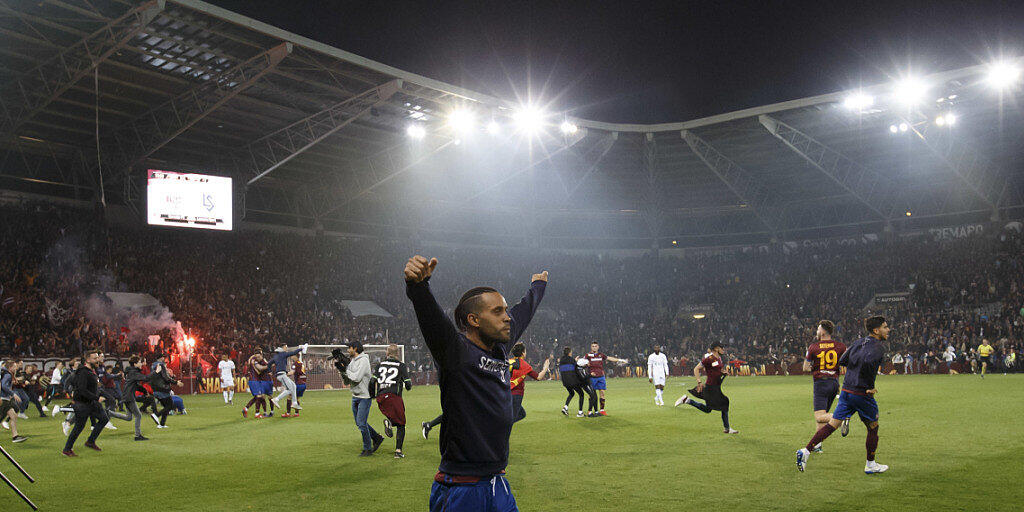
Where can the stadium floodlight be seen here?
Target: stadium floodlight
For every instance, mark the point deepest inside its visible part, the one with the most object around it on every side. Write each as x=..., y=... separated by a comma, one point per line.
x=528, y=119
x=904, y=127
x=461, y=120
x=1002, y=75
x=698, y=316
x=908, y=213
x=909, y=91
x=893, y=128
x=416, y=131
x=568, y=128
x=493, y=128
x=858, y=101
x=940, y=121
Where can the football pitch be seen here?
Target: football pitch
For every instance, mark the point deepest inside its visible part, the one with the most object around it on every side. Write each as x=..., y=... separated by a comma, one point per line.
x=952, y=443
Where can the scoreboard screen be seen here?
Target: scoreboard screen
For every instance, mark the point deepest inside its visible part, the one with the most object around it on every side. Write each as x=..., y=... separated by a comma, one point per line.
x=188, y=200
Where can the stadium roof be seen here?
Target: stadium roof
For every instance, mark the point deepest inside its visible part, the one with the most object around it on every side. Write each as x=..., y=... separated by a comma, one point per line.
x=316, y=137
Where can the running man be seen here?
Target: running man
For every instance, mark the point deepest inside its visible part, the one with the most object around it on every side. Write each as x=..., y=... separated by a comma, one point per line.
x=822, y=360
x=473, y=375
x=227, y=379
x=657, y=373
x=280, y=363
x=711, y=392
x=571, y=380
x=985, y=355
x=520, y=371
x=392, y=376
x=858, y=395
x=597, y=381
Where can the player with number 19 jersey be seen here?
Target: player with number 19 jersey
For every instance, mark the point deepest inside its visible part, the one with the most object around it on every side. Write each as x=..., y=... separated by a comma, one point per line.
x=823, y=355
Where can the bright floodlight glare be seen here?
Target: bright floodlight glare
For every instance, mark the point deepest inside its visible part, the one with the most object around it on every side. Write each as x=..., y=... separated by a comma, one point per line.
x=461, y=120
x=939, y=121
x=528, y=119
x=493, y=128
x=909, y=91
x=950, y=119
x=904, y=127
x=416, y=131
x=1002, y=74
x=908, y=213
x=568, y=128
x=858, y=101
x=893, y=128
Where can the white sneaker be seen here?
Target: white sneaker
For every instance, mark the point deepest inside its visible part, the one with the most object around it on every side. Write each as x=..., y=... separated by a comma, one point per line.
x=873, y=467
x=45, y=409
x=5, y=425
x=579, y=414
x=162, y=426
x=65, y=427
x=731, y=431
x=23, y=415
x=109, y=426
x=682, y=400
x=801, y=458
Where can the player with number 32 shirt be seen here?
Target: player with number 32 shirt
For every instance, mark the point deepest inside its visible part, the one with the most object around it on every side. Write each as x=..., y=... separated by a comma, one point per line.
x=392, y=376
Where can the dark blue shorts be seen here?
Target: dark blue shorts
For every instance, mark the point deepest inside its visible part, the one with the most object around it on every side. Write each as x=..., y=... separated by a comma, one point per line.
x=598, y=383
x=863, y=405
x=266, y=387
x=487, y=495
x=254, y=387
x=824, y=394
x=300, y=389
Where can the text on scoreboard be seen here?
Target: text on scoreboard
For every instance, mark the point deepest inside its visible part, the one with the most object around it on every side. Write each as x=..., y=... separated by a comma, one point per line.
x=188, y=200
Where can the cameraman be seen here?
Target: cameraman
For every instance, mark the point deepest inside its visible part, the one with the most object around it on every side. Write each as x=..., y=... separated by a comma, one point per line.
x=357, y=374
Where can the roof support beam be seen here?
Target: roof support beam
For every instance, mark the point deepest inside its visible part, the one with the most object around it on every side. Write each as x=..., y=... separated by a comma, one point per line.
x=276, y=149
x=24, y=97
x=752, y=192
x=387, y=165
x=869, y=187
x=651, y=207
x=976, y=171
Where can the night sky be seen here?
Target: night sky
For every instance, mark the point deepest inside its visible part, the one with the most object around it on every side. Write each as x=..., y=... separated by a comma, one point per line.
x=648, y=62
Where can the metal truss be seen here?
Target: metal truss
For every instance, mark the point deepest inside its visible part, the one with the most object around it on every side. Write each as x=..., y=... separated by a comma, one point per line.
x=273, y=150
x=976, y=171
x=750, y=191
x=868, y=186
x=24, y=97
x=148, y=133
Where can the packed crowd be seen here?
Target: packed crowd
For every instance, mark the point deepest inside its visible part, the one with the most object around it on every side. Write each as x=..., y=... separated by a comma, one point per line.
x=239, y=290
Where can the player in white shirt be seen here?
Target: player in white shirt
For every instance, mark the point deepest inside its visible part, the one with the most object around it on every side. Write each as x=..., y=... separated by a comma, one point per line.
x=949, y=356
x=227, y=378
x=657, y=372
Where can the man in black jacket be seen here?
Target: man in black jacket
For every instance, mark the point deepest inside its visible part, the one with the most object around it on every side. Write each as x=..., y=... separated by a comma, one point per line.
x=161, y=381
x=87, y=404
x=133, y=380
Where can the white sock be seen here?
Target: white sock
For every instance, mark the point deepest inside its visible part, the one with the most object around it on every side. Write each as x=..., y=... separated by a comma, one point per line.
x=225, y=397
x=231, y=395
x=657, y=393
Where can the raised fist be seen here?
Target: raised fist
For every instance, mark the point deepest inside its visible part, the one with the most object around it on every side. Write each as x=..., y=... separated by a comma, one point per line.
x=418, y=268
x=543, y=276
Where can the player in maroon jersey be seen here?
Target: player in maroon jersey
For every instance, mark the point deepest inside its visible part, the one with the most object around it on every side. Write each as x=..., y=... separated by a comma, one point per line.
x=254, y=367
x=597, y=381
x=822, y=360
x=711, y=391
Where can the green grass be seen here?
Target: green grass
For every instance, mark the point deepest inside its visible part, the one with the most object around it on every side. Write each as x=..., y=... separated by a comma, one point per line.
x=952, y=443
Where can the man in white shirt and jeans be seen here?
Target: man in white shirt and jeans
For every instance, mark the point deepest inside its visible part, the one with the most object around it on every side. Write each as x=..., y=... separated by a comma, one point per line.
x=227, y=378
x=358, y=374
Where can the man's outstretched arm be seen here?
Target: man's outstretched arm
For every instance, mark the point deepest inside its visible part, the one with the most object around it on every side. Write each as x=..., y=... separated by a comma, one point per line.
x=438, y=330
x=523, y=312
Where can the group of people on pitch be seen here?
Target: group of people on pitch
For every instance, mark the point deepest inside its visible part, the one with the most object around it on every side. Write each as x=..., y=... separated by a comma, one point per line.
x=283, y=367
x=94, y=403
